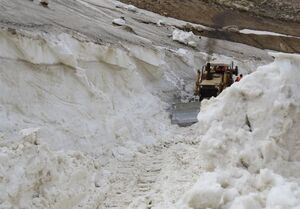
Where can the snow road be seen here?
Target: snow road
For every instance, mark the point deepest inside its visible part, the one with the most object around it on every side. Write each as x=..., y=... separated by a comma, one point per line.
x=84, y=121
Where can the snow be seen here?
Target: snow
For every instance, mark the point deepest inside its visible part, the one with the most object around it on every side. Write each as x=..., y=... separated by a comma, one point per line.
x=267, y=33
x=269, y=98
x=76, y=80
x=36, y=177
x=236, y=189
x=183, y=37
x=119, y=21
x=129, y=7
x=29, y=131
x=160, y=23
x=84, y=124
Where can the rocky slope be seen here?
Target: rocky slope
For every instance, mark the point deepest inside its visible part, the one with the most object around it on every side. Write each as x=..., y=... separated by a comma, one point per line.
x=277, y=9
x=275, y=16
x=203, y=10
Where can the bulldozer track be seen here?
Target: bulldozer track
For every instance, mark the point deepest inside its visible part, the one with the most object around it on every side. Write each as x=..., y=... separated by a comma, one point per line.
x=152, y=165
x=138, y=181
x=134, y=179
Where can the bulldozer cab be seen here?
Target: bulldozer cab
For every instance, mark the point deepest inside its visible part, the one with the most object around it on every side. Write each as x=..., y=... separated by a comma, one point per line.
x=213, y=79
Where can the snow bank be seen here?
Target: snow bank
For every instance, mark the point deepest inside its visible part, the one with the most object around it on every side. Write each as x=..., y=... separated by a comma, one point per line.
x=237, y=188
x=249, y=142
x=187, y=38
x=81, y=95
x=32, y=176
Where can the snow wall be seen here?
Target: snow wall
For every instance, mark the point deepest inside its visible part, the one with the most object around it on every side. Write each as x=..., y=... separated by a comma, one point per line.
x=64, y=93
x=80, y=95
x=249, y=142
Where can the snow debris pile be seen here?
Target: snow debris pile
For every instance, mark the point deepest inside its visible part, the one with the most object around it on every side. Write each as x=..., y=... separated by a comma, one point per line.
x=34, y=177
x=249, y=142
x=238, y=188
x=187, y=38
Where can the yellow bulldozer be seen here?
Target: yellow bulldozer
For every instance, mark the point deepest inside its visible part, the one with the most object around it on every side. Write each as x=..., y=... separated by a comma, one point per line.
x=213, y=79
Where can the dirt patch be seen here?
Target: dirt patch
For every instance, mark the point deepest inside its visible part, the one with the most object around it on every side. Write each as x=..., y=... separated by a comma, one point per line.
x=219, y=14
x=205, y=12
x=277, y=43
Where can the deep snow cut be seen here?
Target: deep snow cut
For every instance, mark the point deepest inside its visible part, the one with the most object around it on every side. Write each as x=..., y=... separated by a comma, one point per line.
x=84, y=123
x=247, y=153
x=81, y=94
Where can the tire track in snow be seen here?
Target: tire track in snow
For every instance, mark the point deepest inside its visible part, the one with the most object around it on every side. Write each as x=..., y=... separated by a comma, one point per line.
x=134, y=179
x=138, y=181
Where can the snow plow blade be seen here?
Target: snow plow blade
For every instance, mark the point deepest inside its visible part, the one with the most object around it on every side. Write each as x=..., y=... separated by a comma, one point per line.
x=185, y=114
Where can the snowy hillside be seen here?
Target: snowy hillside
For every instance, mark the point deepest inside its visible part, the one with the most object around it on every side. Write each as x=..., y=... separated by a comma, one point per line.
x=85, y=123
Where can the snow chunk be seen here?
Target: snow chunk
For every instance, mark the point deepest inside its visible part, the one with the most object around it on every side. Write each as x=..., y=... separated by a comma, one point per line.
x=119, y=21
x=131, y=8
x=187, y=38
x=160, y=23
x=29, y=131
x=206, y=194
x=253, y=126
x=236, y=188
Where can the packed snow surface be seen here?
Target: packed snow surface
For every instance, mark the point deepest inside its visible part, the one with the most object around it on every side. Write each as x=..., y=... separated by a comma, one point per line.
x=84, y=123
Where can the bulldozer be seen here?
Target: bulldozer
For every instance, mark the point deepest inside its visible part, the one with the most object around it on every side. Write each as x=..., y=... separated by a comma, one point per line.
x=211, y=80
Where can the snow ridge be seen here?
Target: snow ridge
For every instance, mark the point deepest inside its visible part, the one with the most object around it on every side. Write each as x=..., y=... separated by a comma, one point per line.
x=249, y=144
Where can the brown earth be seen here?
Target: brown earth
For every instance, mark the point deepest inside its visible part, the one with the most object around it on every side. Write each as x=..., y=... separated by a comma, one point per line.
x=219, y=14
x=210, y=14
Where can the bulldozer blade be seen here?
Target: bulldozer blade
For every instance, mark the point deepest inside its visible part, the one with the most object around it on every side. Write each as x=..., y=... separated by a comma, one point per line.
x=185, y=114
